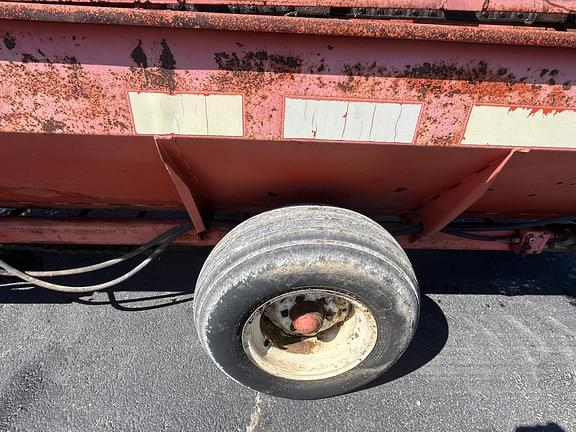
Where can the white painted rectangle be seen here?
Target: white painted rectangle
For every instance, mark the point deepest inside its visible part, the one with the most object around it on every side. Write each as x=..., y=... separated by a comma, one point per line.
x=187, y=114
x=340, y=120
x=521, y=127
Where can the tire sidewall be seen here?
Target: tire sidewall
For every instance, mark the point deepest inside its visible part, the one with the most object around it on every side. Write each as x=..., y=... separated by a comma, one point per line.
x=377, y=283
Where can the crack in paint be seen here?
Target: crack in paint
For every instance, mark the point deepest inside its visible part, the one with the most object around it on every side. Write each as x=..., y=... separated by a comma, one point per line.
x=396, y=124
x=345, y=120
x=206, y=115
x=372, y=122
x=314, y=126
x=179, y=129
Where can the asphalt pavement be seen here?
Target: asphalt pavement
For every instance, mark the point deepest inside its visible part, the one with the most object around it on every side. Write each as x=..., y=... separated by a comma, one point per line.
x=495, y=351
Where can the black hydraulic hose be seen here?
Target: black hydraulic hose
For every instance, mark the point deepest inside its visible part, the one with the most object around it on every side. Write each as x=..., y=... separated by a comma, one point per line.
x=469, y=230
x=163, y=241
x=177, y=230
x=405, y=230
x=510, y=226
x=86, y=288
x=415, y=229
x=472, y=236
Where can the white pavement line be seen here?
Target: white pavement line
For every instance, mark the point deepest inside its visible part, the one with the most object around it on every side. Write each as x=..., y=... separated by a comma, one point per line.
x=255, y=416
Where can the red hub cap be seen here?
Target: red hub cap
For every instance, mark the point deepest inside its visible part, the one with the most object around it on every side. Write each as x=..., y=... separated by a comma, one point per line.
x=306, y=318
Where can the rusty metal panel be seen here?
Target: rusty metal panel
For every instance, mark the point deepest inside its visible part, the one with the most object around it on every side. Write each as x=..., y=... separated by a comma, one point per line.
x=389, y=29
x=66, y=114
x=98, y=231
x=542, y=6
x=138, y=231
x=76, y=78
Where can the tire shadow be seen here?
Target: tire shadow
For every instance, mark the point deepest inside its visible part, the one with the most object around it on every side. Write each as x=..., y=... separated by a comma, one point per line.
x=428, y=341
x=548, y=427
x=169, y=280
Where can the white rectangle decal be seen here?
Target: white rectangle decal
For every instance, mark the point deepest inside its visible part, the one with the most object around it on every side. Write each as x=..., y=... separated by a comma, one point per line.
x=350, y=121
x=187, y=114
x=521, y=127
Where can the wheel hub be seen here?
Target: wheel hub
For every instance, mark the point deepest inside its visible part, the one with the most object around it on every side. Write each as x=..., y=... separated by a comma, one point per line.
x=307, y=318
x=309, y=334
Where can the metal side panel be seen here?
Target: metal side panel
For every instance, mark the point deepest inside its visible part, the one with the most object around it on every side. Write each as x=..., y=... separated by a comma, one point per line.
x=263, y=119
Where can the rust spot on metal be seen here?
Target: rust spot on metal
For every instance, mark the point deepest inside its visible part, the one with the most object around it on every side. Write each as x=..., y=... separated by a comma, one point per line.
x=139, y=56
x=9, y=41
x=70, y=60
x=29, y=58
x=251, y=71
x=165, y=76
x=302, y=347
x=68, y=87
x=346, y=86
x=51, y=126
x=259, y=61
x=473, y=73
x=166, y=57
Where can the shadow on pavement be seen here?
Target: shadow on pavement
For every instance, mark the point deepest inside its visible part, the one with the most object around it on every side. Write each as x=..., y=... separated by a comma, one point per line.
x=503, y=273
x=439, y=272
x=169, y=280
x=430, y=338
x=548, y=427
x=140, y=303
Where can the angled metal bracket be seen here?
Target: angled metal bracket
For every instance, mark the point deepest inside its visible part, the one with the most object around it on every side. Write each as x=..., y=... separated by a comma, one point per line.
x=183, y=189
x=448, y=205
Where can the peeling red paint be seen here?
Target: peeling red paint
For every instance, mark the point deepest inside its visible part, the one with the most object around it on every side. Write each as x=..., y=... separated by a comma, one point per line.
x=545, y=110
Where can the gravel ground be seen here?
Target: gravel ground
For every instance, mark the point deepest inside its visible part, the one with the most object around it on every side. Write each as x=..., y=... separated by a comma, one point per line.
x=495, y=351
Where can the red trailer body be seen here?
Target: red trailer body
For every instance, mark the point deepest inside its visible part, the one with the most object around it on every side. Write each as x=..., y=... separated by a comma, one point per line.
x=112, y=105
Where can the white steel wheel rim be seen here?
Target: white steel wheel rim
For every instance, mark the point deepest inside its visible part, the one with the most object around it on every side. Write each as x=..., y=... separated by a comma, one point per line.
x=326, y=354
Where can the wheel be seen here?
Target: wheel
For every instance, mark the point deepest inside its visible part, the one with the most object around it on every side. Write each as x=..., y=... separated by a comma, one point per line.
x=306, y=302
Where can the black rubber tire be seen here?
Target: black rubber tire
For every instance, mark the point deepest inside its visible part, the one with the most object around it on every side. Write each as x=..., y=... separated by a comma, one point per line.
x=299, y=247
